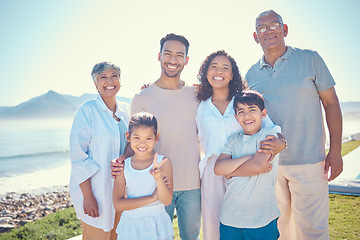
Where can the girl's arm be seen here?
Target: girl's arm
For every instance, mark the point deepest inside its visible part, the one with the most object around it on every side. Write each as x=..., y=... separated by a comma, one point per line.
x=159, y=171
x=121, y=203
x=225, y=165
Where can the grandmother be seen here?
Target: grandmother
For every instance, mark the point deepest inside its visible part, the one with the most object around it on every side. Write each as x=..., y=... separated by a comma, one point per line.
x=97, y=136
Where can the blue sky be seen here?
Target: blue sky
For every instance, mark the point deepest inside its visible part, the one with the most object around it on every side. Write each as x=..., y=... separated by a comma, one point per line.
x=53, y=45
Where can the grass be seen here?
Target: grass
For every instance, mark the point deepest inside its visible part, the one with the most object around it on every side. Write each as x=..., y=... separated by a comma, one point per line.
x=60, y=225
x=343, y=219
x=349, y=146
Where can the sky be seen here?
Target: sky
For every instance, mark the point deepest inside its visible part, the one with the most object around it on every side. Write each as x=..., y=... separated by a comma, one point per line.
x=54, y=44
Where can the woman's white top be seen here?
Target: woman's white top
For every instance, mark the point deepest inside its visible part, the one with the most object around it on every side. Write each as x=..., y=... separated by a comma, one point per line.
x=214, y=128
x=96, y=138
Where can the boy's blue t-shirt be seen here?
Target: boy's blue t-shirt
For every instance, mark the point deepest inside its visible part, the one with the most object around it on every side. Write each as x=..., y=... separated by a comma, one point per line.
x=249, y=202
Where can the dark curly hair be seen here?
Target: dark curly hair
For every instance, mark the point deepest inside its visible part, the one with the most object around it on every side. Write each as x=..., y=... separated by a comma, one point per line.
x=204, y=89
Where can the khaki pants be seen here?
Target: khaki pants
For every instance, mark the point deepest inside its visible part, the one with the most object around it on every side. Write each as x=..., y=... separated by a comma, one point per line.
x=303, y=199
x=212, y=194
x=93, y=233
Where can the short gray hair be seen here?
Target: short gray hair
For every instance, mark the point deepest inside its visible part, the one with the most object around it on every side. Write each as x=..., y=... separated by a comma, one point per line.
x=268, y=12
x=99, y=68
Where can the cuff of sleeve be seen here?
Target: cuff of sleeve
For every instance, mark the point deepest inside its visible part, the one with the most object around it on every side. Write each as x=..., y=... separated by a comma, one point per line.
x=84, y=170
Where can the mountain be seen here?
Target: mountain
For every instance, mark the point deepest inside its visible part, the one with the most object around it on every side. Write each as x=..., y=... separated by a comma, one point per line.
x=48, y=105
x=55, y=105
x=3, y=108
x=350, y=110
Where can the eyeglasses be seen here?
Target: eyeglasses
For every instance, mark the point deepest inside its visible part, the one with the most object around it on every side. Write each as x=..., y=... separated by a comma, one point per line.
x=272, y=26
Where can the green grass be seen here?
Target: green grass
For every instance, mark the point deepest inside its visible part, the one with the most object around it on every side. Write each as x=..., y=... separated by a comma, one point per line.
x=60, y=225
x=343, y=219
x=349, y=146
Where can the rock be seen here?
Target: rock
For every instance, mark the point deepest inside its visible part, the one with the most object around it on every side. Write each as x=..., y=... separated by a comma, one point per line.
x=23, y=222
x=18, y=209
x=5, y=212
x=5, y=220
x=6, y=227
x=10, y=215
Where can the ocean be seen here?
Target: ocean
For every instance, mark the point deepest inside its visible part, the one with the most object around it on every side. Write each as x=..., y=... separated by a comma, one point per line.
x=34, y=154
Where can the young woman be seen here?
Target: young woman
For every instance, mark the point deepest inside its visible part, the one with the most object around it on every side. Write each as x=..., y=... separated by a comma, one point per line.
x=220, y=80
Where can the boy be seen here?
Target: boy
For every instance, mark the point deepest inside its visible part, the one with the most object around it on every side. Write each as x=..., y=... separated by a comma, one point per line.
x=249, y=209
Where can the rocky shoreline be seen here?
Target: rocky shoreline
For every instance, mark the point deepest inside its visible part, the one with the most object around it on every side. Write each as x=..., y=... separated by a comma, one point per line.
x=18, y=209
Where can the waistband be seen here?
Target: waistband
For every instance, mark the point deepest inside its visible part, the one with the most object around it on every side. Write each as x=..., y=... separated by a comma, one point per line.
x=145, y=211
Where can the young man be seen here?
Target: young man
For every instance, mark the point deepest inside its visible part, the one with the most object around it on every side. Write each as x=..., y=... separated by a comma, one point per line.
x=294, y=83
x=249, y=209
x=174, y=105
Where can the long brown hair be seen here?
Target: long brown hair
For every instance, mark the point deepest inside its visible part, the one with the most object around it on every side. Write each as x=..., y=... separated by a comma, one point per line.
x=204, y=89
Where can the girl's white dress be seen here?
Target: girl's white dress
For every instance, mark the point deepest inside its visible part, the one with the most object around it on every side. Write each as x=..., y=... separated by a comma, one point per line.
x=149, y=222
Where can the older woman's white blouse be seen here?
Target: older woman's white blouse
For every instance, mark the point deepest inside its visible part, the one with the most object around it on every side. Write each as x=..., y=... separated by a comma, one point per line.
x=96, y=138
x=214, y=128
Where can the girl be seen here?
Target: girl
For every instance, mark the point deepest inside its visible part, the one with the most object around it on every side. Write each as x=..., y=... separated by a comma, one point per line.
x=220, y=81
x=144, y=215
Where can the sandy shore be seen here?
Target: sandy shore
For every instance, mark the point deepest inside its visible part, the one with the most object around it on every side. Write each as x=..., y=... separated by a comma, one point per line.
x=18, y=209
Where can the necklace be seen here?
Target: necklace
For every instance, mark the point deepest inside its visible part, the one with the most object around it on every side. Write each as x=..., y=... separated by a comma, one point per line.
x=116, y=118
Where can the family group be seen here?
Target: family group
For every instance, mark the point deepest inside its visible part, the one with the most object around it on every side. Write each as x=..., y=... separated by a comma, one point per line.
x=264, y=171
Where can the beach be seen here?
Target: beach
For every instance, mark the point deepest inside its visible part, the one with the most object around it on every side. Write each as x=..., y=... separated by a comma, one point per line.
x=18, y=209
x=35, y=170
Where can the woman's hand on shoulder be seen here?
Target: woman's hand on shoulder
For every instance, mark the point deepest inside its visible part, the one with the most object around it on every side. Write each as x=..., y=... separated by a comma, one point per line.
x=117, y=166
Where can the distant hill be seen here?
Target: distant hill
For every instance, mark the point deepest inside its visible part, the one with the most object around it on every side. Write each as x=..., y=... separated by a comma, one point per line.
x=350, y=110
x=55, y=105
x=347, y=107
x=3, y=108
x=49, y=105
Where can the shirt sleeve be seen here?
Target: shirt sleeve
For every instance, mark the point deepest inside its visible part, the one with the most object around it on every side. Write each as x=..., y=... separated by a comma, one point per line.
x=323, y=78
x=82, y=165
x=136, y=105
x=268, y=123
x=266, y=132
x=229, y=145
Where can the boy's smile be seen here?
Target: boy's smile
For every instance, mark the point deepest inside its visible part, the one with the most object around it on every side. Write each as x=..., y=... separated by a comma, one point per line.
x=250, y=117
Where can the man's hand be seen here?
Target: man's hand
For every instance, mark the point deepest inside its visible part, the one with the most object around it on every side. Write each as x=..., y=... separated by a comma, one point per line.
x=272, y=145
x=335, y=163
x=145, y=85
x=166, y=181
x=116, y=166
